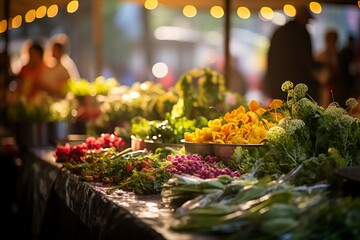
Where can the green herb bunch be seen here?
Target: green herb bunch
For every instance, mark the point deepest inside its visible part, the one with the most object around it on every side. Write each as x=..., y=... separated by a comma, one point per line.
x=42, y=109
x=148, y=99
x=170, y=130
x=202, y=88
x=100, y=85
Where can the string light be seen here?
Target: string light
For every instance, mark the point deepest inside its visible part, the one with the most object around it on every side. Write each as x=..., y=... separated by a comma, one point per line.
x=217, y=12
x=72, y=6
x=40, y=12
x=243, y=12
x=3, y=26
x=52, y=11
x=315, y=7
x=30, y=16
x=267, y=13
x=189, y=11
x=151, y=4
x=16, y=21
x=289, y=10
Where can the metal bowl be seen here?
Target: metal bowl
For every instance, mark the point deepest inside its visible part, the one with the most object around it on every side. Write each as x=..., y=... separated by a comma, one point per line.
x=224, y=151
x=139, y=144
x=351, y=180
x=203, y=149
x=152, y=146
x=349, y=173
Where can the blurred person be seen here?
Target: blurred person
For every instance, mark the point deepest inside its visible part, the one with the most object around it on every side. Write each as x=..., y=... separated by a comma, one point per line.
x=329, y=71
x=347, y=68
x=66, y=60
x=6, y=76
x=54, y=79
x=29, y=78
x=237, y=81
x=290, y=57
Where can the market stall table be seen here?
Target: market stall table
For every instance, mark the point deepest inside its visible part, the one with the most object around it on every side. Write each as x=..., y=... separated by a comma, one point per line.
x=57, y=205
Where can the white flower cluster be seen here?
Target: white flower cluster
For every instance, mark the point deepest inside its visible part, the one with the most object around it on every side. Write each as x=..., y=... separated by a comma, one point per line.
x=287, y=85
x=290, y=126
x=276, y=134
x=347, y=120
x=351, y=103
x=300, y=90
x=334, y=112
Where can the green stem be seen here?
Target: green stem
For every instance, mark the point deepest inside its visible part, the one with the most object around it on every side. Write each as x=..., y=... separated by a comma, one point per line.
x=293, y=159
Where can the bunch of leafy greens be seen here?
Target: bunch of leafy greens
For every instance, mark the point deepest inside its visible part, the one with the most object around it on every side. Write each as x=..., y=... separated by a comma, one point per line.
x=202, y=88
x=170, y=130
x=246, y=208
x=334, y=219
x=43, y=109
x=100, y=85
x=241, y=208
x=318, y=139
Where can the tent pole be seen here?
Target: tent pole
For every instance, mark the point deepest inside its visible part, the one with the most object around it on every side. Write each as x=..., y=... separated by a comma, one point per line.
x=97, y=36
x=7, y=44
x=147, y=43
x=227, y=30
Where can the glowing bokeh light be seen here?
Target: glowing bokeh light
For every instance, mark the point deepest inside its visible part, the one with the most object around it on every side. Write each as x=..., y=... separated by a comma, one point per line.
x=243, y=12
x=52, y=11
x=315, y=7
x=151, y=4
x=30, y=16
x=16, y=21
x=72, y=6
x=267, y=13
x=217, y=12
x=40, y=12
x=189, y=11
x=160, y=70
x=3, y=26
x=278, y=19
x=289, y=10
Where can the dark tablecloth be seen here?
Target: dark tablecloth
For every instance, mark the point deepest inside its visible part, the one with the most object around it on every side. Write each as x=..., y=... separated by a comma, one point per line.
x=56, y=205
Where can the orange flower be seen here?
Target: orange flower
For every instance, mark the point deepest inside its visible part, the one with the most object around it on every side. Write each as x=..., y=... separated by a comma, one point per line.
x=277, y=116
x=228, y=128
x=189, y=137
x=215, y=124
x=218, y=137
x=253, y=105
x=252, y=118
x=260, y=111
x=276, y=103
x=229, y=117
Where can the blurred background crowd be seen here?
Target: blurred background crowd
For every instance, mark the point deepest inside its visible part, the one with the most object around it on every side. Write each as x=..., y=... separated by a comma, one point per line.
x=132, y=42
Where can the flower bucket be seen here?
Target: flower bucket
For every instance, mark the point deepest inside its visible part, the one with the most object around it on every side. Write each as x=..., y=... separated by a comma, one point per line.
x=137, y=143
x=58, y=132
x=32, y=135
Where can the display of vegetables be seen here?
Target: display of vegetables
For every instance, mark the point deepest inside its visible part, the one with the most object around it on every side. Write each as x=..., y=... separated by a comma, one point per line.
x=281, y=190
